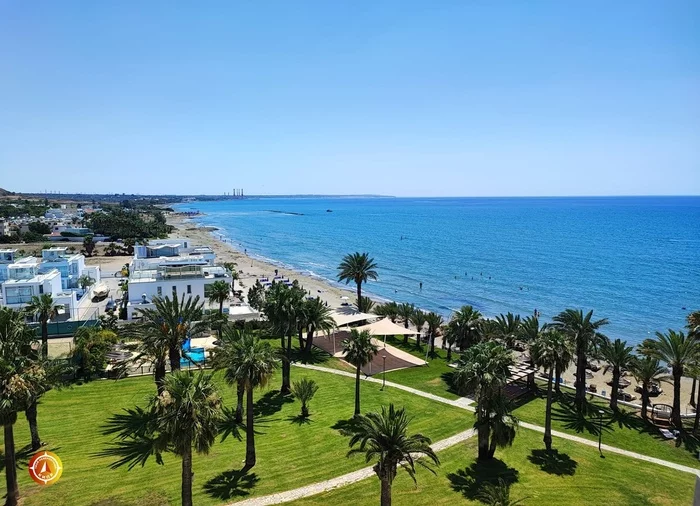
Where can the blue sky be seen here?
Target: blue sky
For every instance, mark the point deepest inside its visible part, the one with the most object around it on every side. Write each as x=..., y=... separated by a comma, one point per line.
x=398, y=98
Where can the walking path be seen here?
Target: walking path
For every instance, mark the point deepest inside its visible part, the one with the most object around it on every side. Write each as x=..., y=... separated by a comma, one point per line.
x=463, y=403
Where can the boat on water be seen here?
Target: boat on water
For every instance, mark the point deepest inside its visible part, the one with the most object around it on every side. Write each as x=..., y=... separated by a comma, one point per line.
x=101, y=291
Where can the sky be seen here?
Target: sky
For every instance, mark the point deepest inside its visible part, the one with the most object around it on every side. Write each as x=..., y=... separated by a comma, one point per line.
x=446, y=98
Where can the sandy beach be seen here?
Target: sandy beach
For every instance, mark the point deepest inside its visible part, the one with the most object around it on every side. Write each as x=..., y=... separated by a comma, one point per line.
x=252, y=269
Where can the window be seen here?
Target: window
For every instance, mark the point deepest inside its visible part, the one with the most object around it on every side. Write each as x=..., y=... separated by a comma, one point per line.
x=160, y=291
x=41, y=289
x=189, y=288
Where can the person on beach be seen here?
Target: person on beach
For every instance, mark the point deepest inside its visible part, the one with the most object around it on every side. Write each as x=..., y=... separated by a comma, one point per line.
x=421, y=285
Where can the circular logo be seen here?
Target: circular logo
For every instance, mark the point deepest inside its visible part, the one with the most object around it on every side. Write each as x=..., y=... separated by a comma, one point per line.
x=45, y=468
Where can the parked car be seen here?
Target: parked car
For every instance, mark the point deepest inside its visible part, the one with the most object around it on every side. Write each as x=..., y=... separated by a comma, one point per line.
x=111, y=305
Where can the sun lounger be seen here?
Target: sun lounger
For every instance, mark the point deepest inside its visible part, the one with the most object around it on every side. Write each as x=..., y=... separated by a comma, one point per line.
x=667, y=434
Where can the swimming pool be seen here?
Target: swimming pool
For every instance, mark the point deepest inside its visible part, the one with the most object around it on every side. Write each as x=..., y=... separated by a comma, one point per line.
x=196, y=356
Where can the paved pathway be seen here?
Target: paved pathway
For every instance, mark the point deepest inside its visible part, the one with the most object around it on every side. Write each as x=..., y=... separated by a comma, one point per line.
x=463, y=403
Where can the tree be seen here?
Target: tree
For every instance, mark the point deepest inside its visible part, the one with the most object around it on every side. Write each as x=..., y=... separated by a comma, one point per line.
x=618, y=357
x=384, y=437
x=85, y=281
x=230, y=266
x=678, y=351
x=497, y=494
x=256, y=296
x=223, y=359
x=219, y=292
x=359, y=351
x=405, y=311
x=43, y=308
x=89, y=244
x=318, y=317
x=388, y=310
x=129, y=244
x=284, y=309
x=252, y=364
x=364, y=304
x=464, y=329
x=175, y=320
x=648, y=370
x=434, y=321
x=551, y=350
x=184, y=417
x=418, y=319
x=90, y=349
x=20, y=379
x=484, y=370
x=585, y=336
x=304, y=390
x=357, y=267
x=507, y=329
x=153, y=346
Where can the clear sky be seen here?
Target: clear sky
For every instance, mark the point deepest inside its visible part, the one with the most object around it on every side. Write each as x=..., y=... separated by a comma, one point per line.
x=400, y=98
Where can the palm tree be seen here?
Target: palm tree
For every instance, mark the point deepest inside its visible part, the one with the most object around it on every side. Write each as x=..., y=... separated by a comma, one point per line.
x=357, y=267
x=464, y=329
x=405, y=311
x=219, y=292
x=252, y=363
x=384, y=437
x=418, y=319
x=484, y=370
x=184, y=417
x=304, y=390
x=648, y=370
x=678, y=351
x=359, y=351
x=152, y=345
x=507, y=329
x=85, y=281
x=90, y=349
x=497, y=494
x=552, y=351
x=388, y=310
x=43, y=308
x=318, y=317
x=21, y=377
x=584, y=334
x=89, y=245
x=175, y=320
x=129, y=244
x=618, y=357
x=434, y=321
x=223, y=359
x=364, y=304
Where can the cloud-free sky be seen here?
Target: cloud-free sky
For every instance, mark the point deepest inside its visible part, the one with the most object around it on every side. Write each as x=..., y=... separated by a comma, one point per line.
x=399, y=98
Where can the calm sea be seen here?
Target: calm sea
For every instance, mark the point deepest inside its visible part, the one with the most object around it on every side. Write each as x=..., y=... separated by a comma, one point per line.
x=634, y=260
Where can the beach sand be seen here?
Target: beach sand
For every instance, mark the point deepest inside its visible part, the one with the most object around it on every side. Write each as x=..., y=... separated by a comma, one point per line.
x=253, y=268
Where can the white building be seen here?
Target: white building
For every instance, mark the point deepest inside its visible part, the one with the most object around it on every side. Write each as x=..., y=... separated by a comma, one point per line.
x=5, y=227
x=71, y=266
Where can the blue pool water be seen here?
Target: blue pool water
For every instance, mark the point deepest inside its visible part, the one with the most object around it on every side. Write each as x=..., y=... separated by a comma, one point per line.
x=196, y=356
x=634, y=260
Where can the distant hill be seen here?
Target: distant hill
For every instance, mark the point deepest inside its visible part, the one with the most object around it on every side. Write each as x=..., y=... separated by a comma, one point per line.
x=5, y=193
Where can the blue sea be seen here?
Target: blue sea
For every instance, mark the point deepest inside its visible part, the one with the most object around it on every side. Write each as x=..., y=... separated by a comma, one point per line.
x=633, y=260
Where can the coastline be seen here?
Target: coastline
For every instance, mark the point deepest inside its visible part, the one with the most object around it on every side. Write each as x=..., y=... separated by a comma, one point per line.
x=186, y=227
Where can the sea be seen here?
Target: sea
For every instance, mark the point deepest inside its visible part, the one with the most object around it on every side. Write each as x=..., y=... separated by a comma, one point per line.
x=632, y=260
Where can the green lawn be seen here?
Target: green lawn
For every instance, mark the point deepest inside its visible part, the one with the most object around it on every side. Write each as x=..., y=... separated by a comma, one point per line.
x=289, y=454
x=625, y=430
x=578, y=476
x=431, y=378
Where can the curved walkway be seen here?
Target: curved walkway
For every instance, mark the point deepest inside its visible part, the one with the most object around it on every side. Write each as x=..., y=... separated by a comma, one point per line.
x=463, y=403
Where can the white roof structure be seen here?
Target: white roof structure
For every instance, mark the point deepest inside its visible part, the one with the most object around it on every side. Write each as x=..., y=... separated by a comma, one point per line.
x=385, y=327
x=342, y=319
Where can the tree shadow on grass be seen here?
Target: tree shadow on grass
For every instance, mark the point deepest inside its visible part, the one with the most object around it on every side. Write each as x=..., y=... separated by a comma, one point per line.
x=585, y=420
x=271, y=403
x=300, y=420
x=346, y=427
x=230, y=484
x=553, y=462
x=447, y=378
x=471, y=480
x=316, y=356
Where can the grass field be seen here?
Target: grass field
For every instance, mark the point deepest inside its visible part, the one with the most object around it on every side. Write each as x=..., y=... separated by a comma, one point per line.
x=577, y=477
x=290, y=454
x=625, y=430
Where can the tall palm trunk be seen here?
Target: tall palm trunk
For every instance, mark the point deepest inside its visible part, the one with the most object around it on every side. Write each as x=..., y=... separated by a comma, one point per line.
x=432, y=343
x=405, y=336
x=696, y=423
x=187, y=476
x=31, y=414
x=615, y=388
x=548, y=413
x=309, y=341
x=221, y=307
x=359, y=295
x=645, y=400
x=676, y=411
x=287, y=366
x=44, y=338
x=449, y=352
x=580, y=378
x=159, y=374
x=483, y=435
x=10, y=466
x=357, y=391
x=240, y=392
x=386, y=492
x=301, y=339
x=174, y=356
x=249, y=431
x=557, y=382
